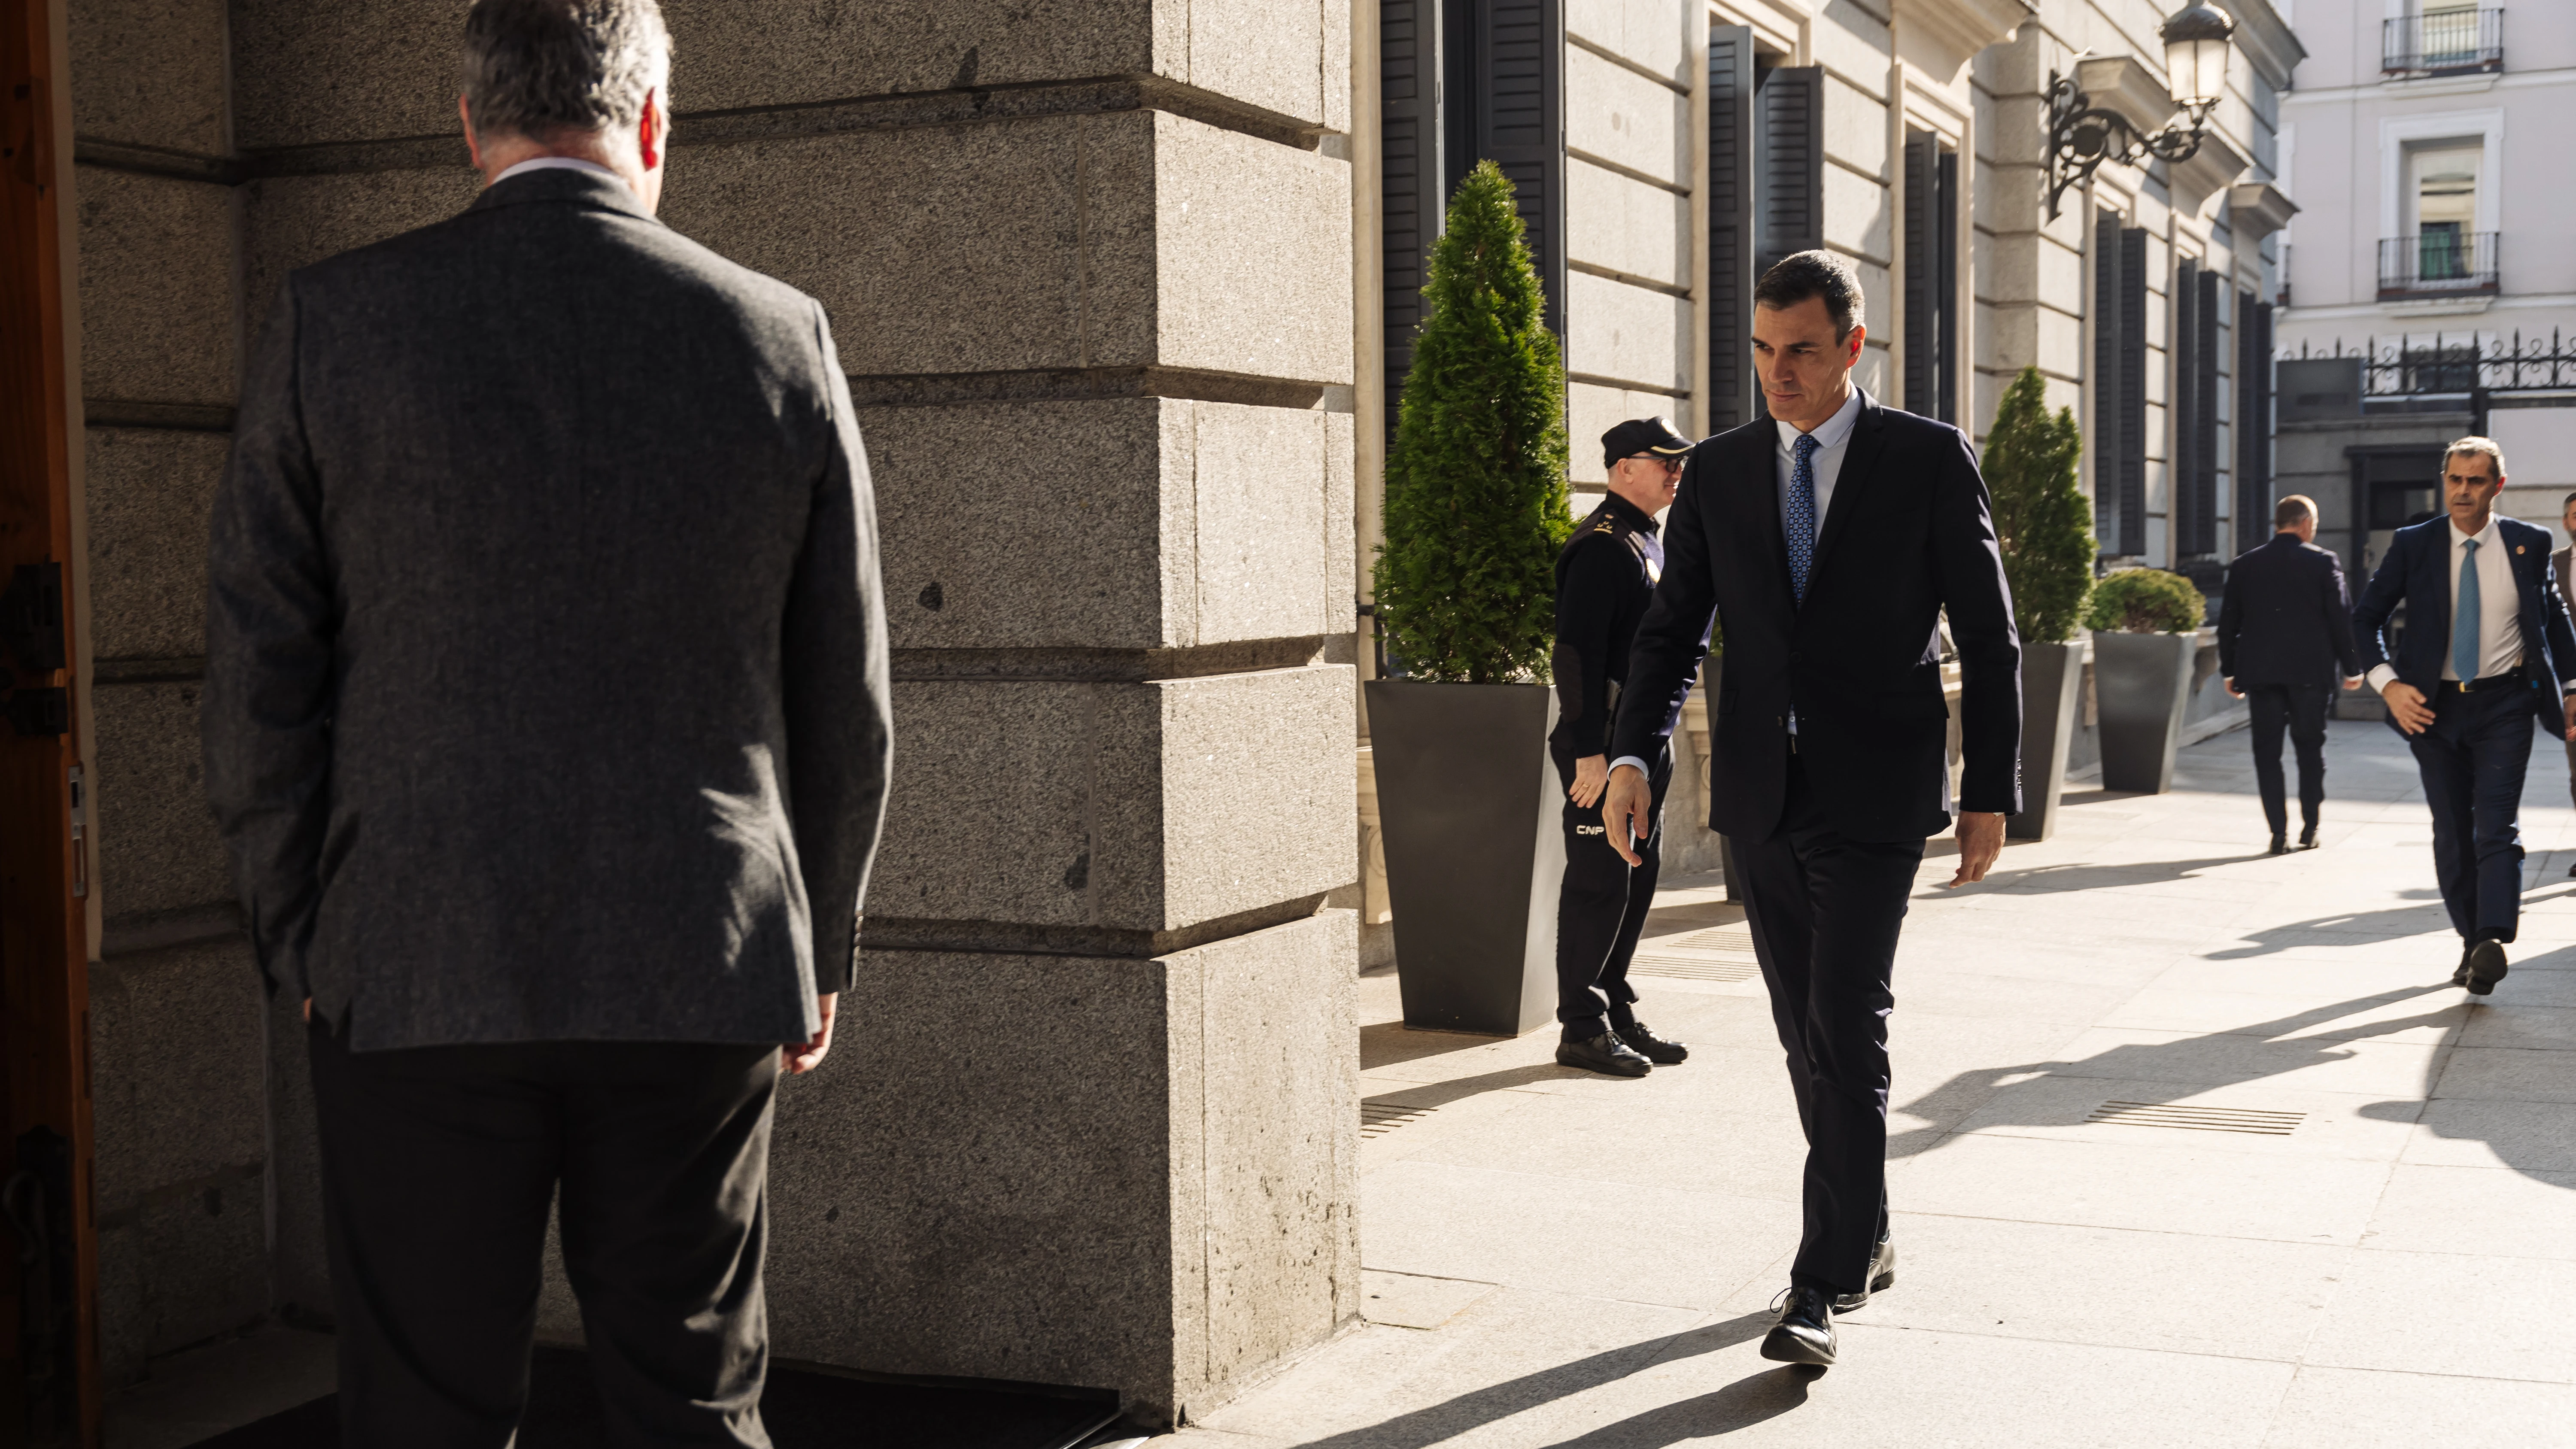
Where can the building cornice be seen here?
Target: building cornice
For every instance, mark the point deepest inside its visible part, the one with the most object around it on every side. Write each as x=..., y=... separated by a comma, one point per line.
x=1942, y=36
x=2270, y=44
x=2260, y=209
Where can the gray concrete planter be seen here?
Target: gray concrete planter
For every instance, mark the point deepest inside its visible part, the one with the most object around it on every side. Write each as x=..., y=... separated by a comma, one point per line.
x=2143, y=683
x=2052, y=700
x=1468, y=806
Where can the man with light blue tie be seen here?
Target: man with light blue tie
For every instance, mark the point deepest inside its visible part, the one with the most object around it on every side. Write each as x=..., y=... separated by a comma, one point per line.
x=2488, y=648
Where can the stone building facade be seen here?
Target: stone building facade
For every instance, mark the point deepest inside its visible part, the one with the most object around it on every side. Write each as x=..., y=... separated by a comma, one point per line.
x=1092, y=1119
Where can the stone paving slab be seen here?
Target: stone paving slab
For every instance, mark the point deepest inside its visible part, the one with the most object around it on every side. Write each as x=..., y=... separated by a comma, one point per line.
x=2393, y=1270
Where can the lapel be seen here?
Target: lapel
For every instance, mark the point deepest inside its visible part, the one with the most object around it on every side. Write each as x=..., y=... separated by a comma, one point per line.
x=2431, y=592
x=1860, y=469
x=1757, y=506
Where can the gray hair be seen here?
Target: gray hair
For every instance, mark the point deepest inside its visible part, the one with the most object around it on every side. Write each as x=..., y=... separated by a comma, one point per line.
x=536, y=68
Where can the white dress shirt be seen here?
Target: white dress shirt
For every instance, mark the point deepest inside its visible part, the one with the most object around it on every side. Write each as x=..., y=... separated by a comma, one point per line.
x=1833, y=443
x=2499, y=607
x=543, y=163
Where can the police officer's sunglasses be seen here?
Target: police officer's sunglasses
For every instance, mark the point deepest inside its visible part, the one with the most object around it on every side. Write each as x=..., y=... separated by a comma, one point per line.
x=1669, y=465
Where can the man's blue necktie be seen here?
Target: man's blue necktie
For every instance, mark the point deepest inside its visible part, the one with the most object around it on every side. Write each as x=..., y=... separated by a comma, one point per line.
x=1799, y=517
x=2465, y=613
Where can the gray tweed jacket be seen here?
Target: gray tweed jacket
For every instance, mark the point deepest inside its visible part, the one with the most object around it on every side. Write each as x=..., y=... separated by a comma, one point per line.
x=546, y=660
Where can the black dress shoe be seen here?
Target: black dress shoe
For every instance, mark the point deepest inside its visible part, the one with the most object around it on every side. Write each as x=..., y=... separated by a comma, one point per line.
x=2280, y=845
x=1805, y=1332
x=1882, y=1276
x=1604, y=1053
x=2484, y=968
x=2308, y=838
x=2571, y=872
x=1642, y=1040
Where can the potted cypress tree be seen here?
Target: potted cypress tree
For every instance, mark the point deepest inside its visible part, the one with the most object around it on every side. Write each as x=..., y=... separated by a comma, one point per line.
x=1476, y=509
x=2146, y=628
x=2045, y=525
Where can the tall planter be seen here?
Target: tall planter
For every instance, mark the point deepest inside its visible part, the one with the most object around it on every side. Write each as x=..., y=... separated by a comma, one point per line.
x=1468, y=805
x=2052, y=695
x=2143, y=683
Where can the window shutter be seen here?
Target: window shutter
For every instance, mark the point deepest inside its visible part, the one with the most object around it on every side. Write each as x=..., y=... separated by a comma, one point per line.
x=2204, y=537
x=1922, y=273
x=1730, y=226
x=2133, y=390
x=2253, y=421
x=1945, y=221
x=1789, y=157
x=2182, y=466
x=1412, y=200
x=1520, y=125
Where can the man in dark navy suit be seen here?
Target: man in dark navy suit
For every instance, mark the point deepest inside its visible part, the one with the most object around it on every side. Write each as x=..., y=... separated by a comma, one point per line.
x=2284, y=637
x=1829, y=538
x=2488, y=649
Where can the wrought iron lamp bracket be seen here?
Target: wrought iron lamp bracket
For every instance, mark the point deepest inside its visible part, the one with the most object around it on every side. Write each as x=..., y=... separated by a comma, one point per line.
x=2082, y=135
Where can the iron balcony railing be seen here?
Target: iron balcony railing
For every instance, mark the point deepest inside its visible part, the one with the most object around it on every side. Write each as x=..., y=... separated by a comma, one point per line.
x=2444, y=42
x=2437, y=262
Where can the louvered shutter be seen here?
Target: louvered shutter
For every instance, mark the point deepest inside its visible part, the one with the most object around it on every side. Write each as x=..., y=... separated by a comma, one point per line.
x=1789, y=163
x=1730, y=226
x=1412, y=199
x=1520, y=125
x=1922, y=335
x=2133, y=390
x=2253, y=421
x=2182, y=468
x=1945, y=220
x=2204, y=381
x=2105, y=442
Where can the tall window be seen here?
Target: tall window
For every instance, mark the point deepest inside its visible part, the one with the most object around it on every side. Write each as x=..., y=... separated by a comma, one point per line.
x=2443, y=189
x=1931, y=277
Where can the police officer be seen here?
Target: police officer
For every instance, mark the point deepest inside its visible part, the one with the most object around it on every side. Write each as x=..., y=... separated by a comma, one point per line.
x=1604, y=579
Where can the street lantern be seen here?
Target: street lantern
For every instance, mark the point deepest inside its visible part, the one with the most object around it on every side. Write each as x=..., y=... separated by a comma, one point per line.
x=2083, y=132
x=2196, y=39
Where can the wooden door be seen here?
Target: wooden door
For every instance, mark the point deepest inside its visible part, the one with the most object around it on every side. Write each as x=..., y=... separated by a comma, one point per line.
x=49, y=1387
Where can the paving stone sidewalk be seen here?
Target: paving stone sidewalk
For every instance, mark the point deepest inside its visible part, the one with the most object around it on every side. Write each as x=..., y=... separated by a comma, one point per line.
x=1557, y=1259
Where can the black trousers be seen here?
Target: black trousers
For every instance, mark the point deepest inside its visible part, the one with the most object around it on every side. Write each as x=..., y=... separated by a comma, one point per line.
x=1825, y=910
x=2302, y=709
x=2472, y=759
x=438, y=1166
x=1601, y=910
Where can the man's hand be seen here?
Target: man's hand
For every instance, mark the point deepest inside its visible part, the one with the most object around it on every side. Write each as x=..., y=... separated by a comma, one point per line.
x=2569, y=703
x=1591, y=773
x=2406, y=703
x=1981, y=839
x=2232, y=689
x=799, y=1057
x=1628, y=810
x=2353, y=682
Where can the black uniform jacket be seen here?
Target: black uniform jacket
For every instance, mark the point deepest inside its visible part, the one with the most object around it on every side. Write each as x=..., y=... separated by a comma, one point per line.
x=1605, y=578
x=1910, y=532
x=2417, y=573
x=2286, y=619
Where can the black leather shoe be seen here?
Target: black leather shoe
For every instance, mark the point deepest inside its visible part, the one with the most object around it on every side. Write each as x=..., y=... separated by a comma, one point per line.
x=2280, y=845
x=2484, y=968
x=1805, y=1332
x=1604, y=1053
x=2571, y=872
x=1642, y=1040
x=1882, y=1276
x=2308, y=838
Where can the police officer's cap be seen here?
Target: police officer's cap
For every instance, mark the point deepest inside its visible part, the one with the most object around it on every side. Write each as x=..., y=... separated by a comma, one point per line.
x=1642, y=435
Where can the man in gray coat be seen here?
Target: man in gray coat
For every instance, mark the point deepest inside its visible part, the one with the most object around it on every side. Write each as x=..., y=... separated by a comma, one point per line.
x=547, y=718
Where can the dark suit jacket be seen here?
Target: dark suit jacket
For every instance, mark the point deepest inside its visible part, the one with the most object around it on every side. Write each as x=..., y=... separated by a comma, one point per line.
x=1910, y=532
x=2285, y=618
x=2416, y=573
x=546, y=665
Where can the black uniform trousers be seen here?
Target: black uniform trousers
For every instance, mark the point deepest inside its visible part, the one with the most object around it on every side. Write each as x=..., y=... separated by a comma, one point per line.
x=1825, y=911
x=1601, y=910
x=2302, y=709
x=438, y=1167
x=2472, y=759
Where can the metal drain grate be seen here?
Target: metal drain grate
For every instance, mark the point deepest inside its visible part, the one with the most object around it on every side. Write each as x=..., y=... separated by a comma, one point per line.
x=1721, y=953
x=1379, y=1118
x=2199, y=1119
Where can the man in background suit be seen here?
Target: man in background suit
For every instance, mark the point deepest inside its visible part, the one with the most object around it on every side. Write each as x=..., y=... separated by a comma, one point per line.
x=2284, y=638
x=2558, y=568
x=2487, y=650
x=546, y=716
x=1828, y=539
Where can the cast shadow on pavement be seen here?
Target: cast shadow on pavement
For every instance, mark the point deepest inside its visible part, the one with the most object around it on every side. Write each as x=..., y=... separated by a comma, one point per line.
x=1450, y=1418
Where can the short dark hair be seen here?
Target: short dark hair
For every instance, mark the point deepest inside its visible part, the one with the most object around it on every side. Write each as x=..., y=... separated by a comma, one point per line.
x=2563, y=502
x=1800, y=275
x=2293, y=510
x=540, y=68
